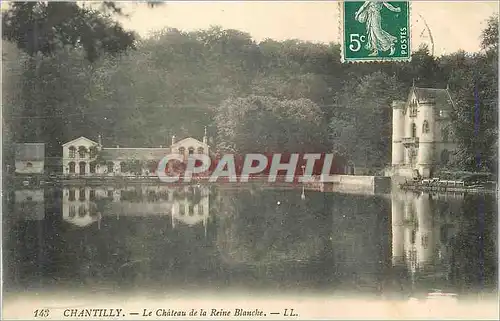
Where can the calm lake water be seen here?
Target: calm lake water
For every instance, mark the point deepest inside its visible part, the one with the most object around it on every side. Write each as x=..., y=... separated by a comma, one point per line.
x=159, y=238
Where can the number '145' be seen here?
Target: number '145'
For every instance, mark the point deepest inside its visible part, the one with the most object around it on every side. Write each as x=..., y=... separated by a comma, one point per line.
x=41, y=313
x=355, y=41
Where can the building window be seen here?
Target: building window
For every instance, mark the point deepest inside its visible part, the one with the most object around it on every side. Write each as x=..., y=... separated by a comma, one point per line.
x=191, y=150
x=72, y=211
x=71, y=197
x=72, y=152
x=425, y=127
x=425, y=241
x=200, y=150
x=81, y=195
x=413, y=130
x=191, y=209
x=92, y=195
x=72, y=167
x=82, y=168
x=29, y=165
x=182, y=150
x=82, y=151
x=413, y=237
x=81, y=210
x=92, y=151
x=413, y=108
x=123, y=167
x=182, y=209
x=110, y=166
x=93, y=167
x=445, y=157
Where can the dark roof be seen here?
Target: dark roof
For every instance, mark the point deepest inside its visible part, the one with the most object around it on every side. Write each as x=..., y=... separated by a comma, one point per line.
x=440, y=97
x=30, y=152
x=134, y=153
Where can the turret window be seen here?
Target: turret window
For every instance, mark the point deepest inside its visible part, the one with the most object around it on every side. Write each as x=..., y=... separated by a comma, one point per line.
x=425, y=241
x=413, y=237
x=413, y=130
x=425, y=127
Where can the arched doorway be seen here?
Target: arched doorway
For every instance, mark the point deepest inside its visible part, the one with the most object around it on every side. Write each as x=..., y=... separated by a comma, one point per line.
x=82, y=168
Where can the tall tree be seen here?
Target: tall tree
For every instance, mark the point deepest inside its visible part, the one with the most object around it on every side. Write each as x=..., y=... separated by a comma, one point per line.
x=44, y=29
x=474, y=84
x=267, y=124
x=361, y=125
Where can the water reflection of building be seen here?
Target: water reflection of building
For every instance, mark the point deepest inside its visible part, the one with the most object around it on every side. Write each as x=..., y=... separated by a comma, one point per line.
x=422, y=227
x=187, y=205
x=29, y=204
x=191, y=206
x=78, y=206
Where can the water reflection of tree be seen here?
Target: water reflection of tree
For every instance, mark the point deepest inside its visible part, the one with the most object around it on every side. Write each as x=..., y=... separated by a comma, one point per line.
x=473, y=261
x=266, y=227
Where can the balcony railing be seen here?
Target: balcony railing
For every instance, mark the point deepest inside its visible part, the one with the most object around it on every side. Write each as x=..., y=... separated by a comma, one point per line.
x=410, y=141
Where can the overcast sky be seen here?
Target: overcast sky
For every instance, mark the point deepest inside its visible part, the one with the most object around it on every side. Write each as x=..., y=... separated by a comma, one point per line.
x=454, y=25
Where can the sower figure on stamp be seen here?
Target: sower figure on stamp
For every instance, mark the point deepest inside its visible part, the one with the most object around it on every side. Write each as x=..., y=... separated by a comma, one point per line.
x=377, y=38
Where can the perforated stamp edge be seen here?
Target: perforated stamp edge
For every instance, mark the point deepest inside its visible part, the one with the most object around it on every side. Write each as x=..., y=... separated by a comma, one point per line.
x=341, y=39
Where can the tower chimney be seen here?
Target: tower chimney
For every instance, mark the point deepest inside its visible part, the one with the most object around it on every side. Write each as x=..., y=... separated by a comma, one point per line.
x=99, y=140
x=205, y=136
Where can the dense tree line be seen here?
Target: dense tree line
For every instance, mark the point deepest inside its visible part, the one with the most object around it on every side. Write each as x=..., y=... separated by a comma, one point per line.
x=88, y=76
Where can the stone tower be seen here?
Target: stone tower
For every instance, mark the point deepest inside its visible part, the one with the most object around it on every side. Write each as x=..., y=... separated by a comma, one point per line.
x=422, y=139
x=426, y=119
x=398, y=132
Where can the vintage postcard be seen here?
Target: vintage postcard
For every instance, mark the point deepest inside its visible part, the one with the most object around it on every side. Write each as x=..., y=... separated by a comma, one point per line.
x=261, y=160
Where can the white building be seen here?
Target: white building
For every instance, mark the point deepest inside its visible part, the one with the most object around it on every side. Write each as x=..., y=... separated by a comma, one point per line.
x=30, y=158
x=186, y=205
x=79, y=156
x=78, y=206
x=85, y=157
x=422, y=137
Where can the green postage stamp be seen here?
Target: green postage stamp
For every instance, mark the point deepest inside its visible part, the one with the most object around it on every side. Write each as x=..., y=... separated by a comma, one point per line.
x=376, y=31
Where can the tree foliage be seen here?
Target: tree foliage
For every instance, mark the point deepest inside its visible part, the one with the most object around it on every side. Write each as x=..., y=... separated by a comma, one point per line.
x=83, y=77
x=267, y=124
x=47, y=26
